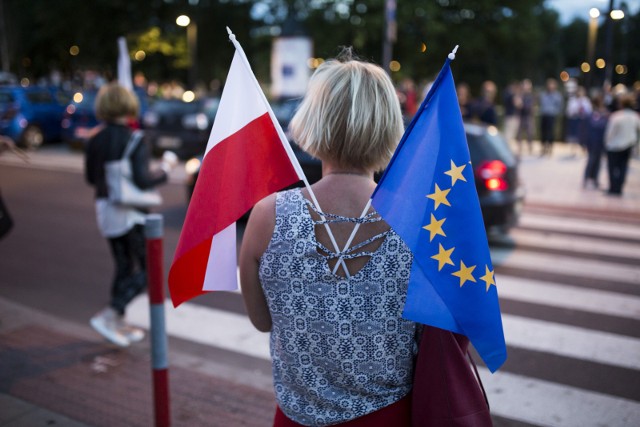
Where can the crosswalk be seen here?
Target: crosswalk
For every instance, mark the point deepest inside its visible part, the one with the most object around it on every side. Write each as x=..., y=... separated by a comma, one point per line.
x=570, y=295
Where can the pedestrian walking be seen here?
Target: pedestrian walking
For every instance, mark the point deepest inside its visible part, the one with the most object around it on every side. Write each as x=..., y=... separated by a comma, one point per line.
x=596, y=126
x=621, y=136
x=122, y=226
x=512, y=102
x=484, y=108
x=525, y=126
x=577, y=114
x=464, y=100
x=550, y=105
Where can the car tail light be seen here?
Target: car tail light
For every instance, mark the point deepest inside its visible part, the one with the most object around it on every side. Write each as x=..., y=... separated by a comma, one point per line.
x=493, y=175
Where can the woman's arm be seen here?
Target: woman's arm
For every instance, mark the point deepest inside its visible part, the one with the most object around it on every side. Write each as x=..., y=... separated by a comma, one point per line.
x=257, y=236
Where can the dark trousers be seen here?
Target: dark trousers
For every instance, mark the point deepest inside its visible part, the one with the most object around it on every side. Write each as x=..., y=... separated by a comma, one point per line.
x=592, y=170
x=129, y=254
x=617, y=162
x=547, y=127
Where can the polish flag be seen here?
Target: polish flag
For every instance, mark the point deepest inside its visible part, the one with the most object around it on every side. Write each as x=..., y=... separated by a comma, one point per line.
x=247, y=158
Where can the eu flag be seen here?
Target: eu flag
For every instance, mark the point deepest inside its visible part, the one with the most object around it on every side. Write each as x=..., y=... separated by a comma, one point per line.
x=428, y=196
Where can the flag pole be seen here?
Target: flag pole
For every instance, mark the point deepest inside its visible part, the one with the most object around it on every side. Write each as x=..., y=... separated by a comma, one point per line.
x=287, y=147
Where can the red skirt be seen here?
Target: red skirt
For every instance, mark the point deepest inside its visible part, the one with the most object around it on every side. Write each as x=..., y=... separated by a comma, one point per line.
x=397, y=414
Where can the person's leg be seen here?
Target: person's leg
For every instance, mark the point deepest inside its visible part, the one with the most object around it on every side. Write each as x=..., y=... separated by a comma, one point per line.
x=106, y=321
x=551, y=125
x=136, y=281
x=613, y=160
x=625, y=156
x=590, y=171
x=122, y=255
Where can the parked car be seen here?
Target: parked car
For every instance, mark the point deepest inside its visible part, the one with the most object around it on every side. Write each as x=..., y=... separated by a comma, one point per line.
x=179, y=126
x=32, y=115
x=496, y=175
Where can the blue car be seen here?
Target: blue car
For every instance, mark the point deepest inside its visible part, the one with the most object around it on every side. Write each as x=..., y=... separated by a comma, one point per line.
x=31, y=115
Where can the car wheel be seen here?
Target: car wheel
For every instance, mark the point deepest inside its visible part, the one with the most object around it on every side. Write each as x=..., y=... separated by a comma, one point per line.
x=32, y=137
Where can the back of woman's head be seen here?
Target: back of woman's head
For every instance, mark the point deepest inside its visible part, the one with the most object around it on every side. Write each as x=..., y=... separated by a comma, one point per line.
x=350, y=114
x=115, y=102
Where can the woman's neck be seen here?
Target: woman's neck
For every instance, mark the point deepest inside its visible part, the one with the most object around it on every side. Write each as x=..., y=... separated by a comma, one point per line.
x=328, y=169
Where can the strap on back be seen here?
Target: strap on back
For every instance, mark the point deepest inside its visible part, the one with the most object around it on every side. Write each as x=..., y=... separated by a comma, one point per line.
x=135, y=138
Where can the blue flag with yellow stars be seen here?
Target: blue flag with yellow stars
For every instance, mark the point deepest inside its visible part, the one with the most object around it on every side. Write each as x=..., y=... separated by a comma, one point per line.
x=428, y=196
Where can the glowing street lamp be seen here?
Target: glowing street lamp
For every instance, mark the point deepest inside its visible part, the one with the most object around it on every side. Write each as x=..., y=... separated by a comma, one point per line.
x=594, y=13
x=192, y=37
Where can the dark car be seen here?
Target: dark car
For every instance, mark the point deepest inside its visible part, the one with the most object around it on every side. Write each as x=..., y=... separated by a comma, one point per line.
x=32, y=115
x=496, y=175
x=494, y=165
x=179, y=126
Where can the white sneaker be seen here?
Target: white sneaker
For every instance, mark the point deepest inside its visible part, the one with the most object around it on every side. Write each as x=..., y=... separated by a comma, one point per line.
x=105, y=322
x=132, y=333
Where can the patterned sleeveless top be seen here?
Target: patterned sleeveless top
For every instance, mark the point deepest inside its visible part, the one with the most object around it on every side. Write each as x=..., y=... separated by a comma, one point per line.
x=339, y=346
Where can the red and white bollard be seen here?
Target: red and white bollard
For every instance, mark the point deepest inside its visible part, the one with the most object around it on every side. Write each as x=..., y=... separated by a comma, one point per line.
x=159, y=357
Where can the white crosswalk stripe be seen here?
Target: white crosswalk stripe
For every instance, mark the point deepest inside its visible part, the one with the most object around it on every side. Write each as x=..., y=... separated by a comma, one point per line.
x=565, y=264
x=569, y=297
x=522, y=398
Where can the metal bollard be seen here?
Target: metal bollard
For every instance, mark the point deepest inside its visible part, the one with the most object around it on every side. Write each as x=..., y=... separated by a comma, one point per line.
x=155, y=281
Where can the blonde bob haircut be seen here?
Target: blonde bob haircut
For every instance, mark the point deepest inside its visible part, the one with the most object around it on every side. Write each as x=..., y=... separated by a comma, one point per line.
x=115, y=102
x=350, y=114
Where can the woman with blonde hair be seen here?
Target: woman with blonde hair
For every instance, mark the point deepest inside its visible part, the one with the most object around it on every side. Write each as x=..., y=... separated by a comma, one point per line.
x=341, y=351
x=122, y=226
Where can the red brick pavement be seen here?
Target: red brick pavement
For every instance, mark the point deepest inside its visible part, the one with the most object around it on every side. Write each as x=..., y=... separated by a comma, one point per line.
x=100, y=385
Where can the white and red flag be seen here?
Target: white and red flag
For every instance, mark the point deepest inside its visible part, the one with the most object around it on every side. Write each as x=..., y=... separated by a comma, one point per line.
x=247, y=158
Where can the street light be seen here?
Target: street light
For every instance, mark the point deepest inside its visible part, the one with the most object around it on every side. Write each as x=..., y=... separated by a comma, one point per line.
x=192, y=46
x=594, y=13
x=614, y=15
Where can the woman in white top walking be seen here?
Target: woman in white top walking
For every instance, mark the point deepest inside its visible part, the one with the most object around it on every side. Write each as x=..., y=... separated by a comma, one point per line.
x=621, y=135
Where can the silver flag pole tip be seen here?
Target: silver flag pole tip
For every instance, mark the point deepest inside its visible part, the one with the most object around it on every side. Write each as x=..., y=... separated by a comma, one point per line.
x=452, y=55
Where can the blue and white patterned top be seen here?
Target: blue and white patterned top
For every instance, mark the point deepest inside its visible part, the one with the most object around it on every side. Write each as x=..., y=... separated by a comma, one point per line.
x=339, y=346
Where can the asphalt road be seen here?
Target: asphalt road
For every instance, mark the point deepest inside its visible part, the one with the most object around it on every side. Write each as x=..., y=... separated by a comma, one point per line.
x=567, y=277
x=55, y=259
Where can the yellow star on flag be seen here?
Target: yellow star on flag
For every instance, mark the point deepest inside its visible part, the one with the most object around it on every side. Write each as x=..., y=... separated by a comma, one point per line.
x=435, y=227
x=443, y=256
x=465, y=273
x=488, y=278
x=456, y=173
x=440, y=197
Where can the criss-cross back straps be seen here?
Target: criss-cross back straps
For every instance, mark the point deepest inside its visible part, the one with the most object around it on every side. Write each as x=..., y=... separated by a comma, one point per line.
x=347, y=252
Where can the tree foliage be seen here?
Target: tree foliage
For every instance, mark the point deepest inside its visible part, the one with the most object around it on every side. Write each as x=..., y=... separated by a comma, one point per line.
x=498, y=40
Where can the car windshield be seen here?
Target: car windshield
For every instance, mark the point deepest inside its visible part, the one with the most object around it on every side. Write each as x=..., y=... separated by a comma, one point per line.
x=177, y=107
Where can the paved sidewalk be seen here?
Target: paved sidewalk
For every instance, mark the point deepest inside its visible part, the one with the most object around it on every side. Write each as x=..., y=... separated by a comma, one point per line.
x=556, y=183
x=53, y=372
x=56, y=373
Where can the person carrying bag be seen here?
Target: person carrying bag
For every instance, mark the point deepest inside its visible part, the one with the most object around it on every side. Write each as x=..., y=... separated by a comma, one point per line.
x=120, y=183
x=117, y=165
